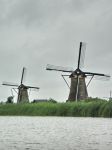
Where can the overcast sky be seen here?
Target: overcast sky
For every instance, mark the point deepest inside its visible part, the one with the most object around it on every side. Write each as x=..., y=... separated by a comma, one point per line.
x=34, y=33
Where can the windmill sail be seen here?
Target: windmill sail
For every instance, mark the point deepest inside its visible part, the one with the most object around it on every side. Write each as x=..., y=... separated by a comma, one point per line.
x=59, y=68
x=9, y=84
x=104, y=78
x=98, y=76
x=32, y=87
x=81, y=57
x=23, y=74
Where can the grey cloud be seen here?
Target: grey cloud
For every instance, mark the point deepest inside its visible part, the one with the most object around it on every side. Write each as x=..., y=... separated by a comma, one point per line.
x=39, y=12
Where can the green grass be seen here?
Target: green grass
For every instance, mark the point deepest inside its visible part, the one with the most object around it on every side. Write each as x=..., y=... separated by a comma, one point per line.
x=94, y=108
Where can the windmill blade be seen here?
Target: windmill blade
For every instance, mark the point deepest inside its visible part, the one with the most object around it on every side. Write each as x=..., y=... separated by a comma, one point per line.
x=98, y=76
x=32, y=87
x=59, y=68
x=104, y=78
x=81, y=57
x=23, y=74
x=9, y=84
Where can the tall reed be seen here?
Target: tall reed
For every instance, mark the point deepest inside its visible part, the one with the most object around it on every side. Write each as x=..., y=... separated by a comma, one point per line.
x=96, y=108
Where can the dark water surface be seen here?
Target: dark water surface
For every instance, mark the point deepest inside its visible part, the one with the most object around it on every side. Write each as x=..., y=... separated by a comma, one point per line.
x=55, y=133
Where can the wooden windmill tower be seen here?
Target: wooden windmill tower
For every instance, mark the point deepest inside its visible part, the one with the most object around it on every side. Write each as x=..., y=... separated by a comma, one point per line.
x=78, y=87
x=22, y=89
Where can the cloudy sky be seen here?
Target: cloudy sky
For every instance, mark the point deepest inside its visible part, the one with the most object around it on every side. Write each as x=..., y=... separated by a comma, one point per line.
x=34, y=33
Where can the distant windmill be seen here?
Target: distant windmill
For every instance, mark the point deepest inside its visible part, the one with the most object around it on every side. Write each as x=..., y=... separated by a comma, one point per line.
x=22, y=89
x=110, y=96
x=78, y=88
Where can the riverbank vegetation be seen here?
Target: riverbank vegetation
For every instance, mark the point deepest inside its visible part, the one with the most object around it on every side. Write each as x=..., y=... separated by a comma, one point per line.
x=87, y=108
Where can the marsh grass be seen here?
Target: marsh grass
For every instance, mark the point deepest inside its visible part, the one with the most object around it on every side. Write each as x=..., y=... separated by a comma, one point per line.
x=96, y=108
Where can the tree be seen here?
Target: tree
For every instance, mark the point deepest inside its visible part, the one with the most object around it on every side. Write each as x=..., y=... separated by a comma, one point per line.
x=10, y=99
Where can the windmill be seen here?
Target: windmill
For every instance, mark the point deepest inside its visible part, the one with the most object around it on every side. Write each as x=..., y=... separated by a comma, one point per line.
x=110, y=96
x=78, y=87
x=22, y=89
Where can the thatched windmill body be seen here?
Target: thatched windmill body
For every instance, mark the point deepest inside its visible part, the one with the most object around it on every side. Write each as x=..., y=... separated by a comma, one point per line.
x=78, y=87
x=22, y=94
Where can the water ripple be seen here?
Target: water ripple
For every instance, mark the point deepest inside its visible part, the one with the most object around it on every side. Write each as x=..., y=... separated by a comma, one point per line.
x=55, y=133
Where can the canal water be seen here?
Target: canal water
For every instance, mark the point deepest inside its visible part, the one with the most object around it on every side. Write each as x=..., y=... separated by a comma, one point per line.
x=55, y=133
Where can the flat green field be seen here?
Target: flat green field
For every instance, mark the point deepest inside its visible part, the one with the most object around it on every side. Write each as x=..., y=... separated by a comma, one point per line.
x=94, y=108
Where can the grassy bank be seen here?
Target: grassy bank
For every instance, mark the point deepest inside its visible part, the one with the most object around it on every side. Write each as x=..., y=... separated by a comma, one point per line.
x=94, y=108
